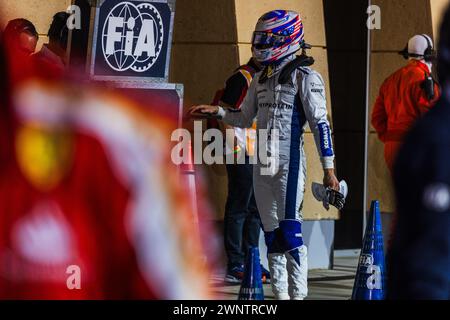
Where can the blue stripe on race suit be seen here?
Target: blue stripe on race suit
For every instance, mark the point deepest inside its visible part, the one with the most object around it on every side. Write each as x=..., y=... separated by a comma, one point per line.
x=294, y=159
x=286, y=238
x=274, y=242
x=291, y=231
x=269, y=238
x=296, y=255
x=325, y=140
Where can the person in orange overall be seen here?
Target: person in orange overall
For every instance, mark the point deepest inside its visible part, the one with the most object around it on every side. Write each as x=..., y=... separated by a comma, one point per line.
x=405, y=96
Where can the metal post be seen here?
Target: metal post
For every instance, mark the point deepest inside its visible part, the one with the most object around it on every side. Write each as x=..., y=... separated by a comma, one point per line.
x=366, y=129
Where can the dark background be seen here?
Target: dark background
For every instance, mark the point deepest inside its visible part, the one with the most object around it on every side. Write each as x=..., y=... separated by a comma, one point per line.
x=80, y=38
x=346, y=34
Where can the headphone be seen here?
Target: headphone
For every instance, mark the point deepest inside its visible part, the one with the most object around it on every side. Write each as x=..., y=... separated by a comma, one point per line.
x=429, y=55
x=58, y=29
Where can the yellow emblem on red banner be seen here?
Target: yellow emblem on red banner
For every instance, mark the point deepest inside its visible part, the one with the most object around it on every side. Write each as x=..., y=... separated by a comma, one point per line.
x=43, y=155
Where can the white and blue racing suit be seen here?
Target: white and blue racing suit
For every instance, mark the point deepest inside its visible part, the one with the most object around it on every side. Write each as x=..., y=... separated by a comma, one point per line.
x=288, y=108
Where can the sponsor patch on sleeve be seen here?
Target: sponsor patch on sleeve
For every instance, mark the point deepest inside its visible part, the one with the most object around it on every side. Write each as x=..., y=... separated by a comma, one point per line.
x=316, y=86
x=325, y=140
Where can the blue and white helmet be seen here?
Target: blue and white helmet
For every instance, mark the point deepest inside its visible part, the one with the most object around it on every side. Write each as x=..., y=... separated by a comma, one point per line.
x=277, y=35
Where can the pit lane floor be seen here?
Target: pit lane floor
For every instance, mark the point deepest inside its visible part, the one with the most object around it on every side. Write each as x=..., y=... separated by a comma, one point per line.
x=336, y=284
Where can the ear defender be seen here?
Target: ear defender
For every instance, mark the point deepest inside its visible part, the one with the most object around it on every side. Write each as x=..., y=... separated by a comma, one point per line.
x=429, y=54
x=404, y=53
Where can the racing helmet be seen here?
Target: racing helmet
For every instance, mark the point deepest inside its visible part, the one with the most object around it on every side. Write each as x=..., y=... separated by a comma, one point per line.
x=277, y=35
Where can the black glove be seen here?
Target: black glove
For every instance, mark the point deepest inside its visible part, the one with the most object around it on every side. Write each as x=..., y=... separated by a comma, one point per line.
x=335, y=198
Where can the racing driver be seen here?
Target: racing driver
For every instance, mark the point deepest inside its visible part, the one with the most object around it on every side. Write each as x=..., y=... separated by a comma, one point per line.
x=283, y=97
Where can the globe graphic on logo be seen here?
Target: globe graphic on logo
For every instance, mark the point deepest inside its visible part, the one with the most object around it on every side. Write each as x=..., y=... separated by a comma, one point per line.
x=133, y=18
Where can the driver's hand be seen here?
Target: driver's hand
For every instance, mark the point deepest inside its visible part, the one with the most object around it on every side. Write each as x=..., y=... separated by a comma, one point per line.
x=204, y=109
x=330, y=180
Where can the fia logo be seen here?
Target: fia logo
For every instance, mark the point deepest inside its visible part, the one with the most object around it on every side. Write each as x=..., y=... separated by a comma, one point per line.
x=132, y=37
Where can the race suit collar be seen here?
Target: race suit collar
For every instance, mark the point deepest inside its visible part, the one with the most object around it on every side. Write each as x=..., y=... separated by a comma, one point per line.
x=425, y=66
x=276, y=68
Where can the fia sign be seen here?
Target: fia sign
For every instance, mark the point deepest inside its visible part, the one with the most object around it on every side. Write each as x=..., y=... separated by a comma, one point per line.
x=132, y=39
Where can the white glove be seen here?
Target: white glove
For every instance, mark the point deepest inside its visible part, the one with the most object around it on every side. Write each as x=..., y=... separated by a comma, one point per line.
x=329, y=196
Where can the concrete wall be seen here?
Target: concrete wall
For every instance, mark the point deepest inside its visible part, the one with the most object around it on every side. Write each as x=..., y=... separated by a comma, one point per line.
x=438, y=8
x=204, y=54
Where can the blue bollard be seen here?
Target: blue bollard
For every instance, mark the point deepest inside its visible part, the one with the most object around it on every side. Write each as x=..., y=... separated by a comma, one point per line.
x=370, y=281
x=251, y=287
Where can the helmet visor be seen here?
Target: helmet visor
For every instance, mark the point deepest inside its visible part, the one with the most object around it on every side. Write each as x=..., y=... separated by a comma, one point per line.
x=265, y=40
